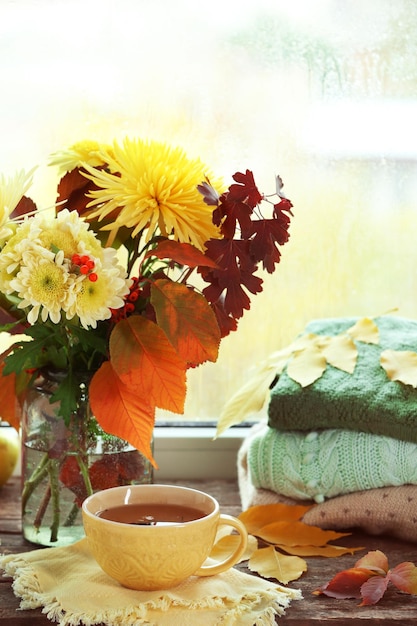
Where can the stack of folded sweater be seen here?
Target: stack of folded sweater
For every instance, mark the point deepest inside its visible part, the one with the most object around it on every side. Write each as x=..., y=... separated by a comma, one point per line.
x=346, y=443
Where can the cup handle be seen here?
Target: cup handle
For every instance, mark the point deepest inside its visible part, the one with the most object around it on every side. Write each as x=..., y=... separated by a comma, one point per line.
x=218, y=568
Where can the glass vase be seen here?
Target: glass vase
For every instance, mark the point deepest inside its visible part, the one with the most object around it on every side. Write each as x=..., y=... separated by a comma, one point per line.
x=64, y=463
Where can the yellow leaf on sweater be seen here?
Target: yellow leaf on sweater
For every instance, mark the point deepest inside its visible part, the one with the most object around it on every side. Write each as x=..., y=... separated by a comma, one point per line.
x=365, y=330
x=249, y=400
x=400, y=365
x=269, y=563
x=307, y=365
x=341, y=352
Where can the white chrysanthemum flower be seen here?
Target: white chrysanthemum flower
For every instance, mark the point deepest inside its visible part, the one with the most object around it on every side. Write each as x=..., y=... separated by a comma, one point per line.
x=90, y=152
x=94, y=299
x=38, y=266
x=44, y=287
x=11, y=256
x=11, y=192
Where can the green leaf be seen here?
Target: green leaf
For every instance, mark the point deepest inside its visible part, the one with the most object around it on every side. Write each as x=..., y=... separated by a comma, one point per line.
x=67, y=394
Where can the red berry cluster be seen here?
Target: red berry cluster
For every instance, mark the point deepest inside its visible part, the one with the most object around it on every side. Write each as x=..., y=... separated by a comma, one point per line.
x=85, y=265
x=129, y=306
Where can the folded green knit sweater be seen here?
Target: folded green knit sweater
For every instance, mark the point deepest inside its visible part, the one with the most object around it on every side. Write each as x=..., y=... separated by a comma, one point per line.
x=319, y=465
x=365, y=400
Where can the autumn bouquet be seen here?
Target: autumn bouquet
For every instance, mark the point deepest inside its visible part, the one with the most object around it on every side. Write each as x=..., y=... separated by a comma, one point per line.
x=145, y=263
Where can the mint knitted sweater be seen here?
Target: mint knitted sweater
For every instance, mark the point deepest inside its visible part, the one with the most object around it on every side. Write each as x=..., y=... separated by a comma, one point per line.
x=320, y=465
x=363, y=401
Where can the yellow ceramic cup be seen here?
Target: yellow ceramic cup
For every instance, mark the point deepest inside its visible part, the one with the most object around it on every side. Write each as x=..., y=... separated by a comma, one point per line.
x=157, y=557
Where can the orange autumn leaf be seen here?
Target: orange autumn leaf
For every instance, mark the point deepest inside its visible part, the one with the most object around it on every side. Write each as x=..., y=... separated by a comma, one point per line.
x=143, y=358
x=374, y=560
x=269, y=563
x=188, y=321
x=10, y=408
x=400, y=365
x=297, y=534
x=346, y=584
x=121, y=410
x=256, y=517
x=182, y=253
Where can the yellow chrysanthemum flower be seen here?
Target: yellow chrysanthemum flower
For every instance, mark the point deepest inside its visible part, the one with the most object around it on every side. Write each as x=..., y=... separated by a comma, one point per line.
x=154, y=188
x=90, y=152
x=11, y=192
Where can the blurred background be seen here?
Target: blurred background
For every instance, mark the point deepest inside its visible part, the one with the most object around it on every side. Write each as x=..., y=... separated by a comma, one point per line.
x=322, y=92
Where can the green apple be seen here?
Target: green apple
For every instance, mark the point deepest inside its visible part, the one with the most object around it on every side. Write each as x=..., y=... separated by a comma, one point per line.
x=9, y=452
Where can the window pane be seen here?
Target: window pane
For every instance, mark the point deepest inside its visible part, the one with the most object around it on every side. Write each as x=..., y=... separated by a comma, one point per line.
x=323, y=93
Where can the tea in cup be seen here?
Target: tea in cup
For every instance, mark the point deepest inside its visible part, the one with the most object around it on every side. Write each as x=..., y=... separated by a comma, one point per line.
x=151, y=537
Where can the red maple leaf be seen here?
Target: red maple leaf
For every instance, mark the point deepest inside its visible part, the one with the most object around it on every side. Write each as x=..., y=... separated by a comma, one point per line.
x=236, y=206
x=230, y=212
x=24, y=207
x=236, y=269
x=269, y=233
x=246, y=189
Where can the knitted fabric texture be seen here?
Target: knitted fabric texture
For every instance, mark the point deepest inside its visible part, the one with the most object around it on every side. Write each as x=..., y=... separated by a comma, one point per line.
x=386, y=510
x=73, y=590
x=365, y=400
x=319, y=465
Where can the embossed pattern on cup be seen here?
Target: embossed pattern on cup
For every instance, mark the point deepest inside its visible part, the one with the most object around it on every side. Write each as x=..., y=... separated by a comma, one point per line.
x=156, y=557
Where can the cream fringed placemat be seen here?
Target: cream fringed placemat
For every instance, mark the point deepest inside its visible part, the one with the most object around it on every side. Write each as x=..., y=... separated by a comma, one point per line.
x=73, y=591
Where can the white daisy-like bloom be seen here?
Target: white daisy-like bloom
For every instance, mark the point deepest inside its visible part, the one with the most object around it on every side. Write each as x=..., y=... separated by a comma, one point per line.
x=11, y=255
x=37, y=267
x=44, y=286
x=94, y=299
x=11, y=191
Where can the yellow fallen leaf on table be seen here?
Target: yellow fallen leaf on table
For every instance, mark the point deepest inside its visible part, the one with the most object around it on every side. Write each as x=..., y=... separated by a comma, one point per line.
x=327, y=551
x=269, y=563
x=258, y=516
x=297, y=534
x=226, y=545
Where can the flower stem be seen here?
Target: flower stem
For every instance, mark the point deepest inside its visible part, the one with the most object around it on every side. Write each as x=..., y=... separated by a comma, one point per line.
x=36, y=478
x=54, y=485
x=86, y=476
x=37, y=522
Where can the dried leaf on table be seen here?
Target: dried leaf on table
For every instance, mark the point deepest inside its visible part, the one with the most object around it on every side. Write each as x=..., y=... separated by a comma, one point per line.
x=297, y=534
x=369, y=579
x=269, y=563
x=327, y=551
x=227, y=544
x=258, y=516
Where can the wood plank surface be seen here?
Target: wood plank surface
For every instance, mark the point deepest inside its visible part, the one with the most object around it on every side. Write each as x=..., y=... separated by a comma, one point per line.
x=394, y=608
